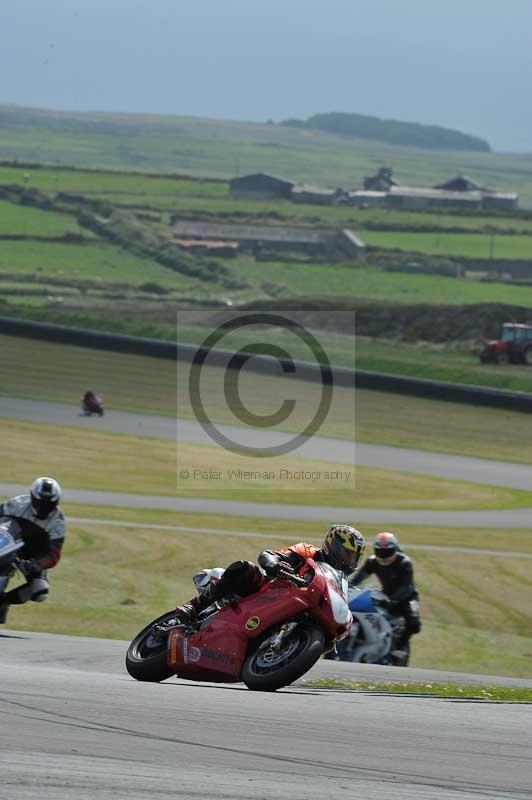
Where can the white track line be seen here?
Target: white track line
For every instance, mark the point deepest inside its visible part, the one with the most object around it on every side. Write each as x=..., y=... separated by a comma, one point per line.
x=258, y=535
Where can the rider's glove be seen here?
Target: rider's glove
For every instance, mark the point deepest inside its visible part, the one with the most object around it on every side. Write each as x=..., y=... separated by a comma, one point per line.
x=273, y=570
x=389, y=605
x=29, y=566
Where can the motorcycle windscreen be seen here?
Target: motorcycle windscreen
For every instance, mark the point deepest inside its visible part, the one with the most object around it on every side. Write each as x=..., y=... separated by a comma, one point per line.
x=361, y=602
x=337, y=590
x=8, y=546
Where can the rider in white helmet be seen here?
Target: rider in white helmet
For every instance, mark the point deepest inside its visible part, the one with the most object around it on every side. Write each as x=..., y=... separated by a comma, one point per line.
x=36, y=519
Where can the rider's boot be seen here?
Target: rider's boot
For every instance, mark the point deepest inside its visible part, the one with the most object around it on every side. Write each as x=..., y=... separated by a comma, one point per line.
x=4, y=608
x=401, y=651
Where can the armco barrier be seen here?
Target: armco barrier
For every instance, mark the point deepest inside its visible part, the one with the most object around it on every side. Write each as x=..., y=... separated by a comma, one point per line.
x=340, y=376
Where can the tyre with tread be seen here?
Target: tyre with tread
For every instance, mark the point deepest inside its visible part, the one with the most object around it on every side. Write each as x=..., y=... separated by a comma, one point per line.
x=146, y=655
x=302, y=649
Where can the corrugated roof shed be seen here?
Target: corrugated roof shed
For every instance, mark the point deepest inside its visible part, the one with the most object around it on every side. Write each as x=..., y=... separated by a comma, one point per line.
x=249, y=233
x=461, y=183
x=435, y=194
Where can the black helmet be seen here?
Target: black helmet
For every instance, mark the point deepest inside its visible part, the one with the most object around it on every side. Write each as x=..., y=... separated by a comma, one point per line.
x=385, y=548
x=45, y=495
x=343, y=547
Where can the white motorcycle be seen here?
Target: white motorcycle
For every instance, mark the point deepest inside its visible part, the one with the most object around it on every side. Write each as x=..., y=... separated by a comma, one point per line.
x=9, y=551
x=374, y=633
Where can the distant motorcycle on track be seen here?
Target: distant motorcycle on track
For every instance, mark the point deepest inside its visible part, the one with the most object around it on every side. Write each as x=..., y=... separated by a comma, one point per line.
x=91, y=404
x=266, y=640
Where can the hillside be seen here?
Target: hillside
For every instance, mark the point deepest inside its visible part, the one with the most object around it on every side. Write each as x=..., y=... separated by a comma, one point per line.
x=391, y=131
x=221, y=148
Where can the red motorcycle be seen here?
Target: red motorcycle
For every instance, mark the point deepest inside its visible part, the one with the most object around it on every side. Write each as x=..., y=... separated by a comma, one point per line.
x=266, y=640
x=91, y=404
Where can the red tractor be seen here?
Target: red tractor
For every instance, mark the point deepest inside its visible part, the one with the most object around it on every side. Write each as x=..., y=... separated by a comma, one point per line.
x=515, y=345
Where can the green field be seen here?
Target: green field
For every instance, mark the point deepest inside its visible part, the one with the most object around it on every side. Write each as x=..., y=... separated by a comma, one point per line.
x=100, y=262
x=371, y=282
x=78, y=181
x=18, y=220
x=458, y=366
x=471, y=245
x=105, y=262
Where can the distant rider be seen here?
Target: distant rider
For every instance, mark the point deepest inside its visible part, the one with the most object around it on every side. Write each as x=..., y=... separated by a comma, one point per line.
x=91, y=403
x=395, y=572
x=39, y=522
x=342, y=548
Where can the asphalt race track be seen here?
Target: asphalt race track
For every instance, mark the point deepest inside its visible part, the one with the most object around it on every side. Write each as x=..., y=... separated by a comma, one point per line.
x=75, y=726
x=440, y=465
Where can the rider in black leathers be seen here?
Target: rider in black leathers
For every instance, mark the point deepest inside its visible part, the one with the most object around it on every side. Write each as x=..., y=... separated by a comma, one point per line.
x=395, y=572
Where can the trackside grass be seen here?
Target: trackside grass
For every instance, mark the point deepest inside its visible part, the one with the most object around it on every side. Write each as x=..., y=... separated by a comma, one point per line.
x=504, y=694
x=148, y=385
x=120, y=463
x=130, y=573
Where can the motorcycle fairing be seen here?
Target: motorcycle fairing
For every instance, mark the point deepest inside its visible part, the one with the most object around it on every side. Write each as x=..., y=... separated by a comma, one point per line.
x=8, y=546
x=337, y=595
x=217, y=651
x=362, y=603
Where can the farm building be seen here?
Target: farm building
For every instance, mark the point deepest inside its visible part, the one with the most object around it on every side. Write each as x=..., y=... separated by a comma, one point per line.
x=379, y=190
x=314, y=241
x=213, y=248
x=489, y=199
x=363, y=197
x=317, y=196
x=503, y=200
x=260, y=186
x=381, y=182
x=414, y=197
x=461, y=183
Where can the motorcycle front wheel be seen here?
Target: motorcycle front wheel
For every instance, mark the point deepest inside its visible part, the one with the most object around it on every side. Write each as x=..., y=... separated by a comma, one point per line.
x=269, y=668
x=146, y=655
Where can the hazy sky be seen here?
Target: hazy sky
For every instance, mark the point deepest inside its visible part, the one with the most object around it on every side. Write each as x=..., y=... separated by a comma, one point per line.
x=465, y=64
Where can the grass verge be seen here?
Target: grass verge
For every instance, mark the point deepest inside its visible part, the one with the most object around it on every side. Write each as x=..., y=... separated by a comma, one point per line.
x=455, y=691
x=122, y=463
x=148, y=385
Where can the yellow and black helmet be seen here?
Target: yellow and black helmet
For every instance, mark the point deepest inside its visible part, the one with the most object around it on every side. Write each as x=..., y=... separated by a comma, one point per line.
x=343, y=547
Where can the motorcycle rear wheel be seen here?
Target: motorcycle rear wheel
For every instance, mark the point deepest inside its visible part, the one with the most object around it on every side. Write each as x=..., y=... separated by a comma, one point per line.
x=266, y=671
x=146, y=655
